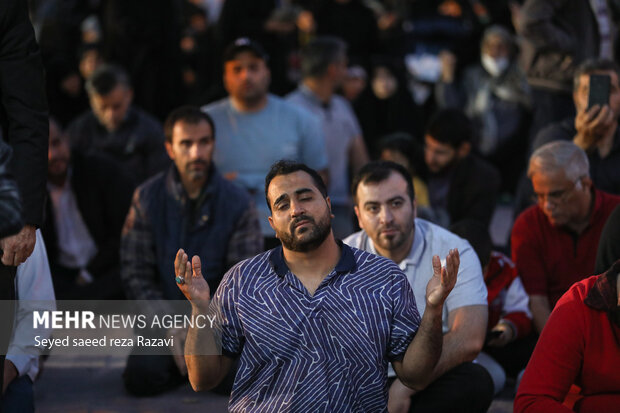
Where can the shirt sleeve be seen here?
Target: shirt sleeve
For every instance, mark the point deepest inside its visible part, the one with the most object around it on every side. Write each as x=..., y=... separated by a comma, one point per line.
x=526, y=254
x=35, y=292
x=405, y=317
x=314, y=152
x=556, y=361
x=224, y=306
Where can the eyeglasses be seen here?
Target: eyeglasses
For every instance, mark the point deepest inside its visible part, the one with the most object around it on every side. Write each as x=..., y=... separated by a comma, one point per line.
x=557, y=197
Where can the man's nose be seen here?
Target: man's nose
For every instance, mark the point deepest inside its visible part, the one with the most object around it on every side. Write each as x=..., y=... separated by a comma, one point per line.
x=385, y=215
x=297, y=208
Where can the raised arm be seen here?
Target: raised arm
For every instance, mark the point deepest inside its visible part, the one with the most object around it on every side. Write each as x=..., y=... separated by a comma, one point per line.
x=204, y=371
x=424, y=351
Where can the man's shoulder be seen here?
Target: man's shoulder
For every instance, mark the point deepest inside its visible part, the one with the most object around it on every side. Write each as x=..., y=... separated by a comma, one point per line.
x=152, y=185
x=531, y=220
x=357, y=240
x=217, y=107
x=231, y=191
x=439, y=237
x=84, y=119
x=146, y=120
x=287, y=108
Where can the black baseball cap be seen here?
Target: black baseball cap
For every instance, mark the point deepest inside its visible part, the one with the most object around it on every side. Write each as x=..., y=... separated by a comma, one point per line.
x=244, y=44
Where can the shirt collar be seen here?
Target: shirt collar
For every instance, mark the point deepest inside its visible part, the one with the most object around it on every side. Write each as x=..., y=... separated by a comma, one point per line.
x=175, y=187
x=603, y=295
x=345, y=264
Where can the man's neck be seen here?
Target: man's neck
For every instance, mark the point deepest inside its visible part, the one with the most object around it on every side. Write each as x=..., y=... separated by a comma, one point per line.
x=583, y=223
x=249, y=106
x=322, y=88
x=399, y=254
x=314, y=264
x=193, y=188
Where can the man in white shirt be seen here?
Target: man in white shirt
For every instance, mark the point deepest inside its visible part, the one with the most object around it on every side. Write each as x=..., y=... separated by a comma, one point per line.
x=385, y=207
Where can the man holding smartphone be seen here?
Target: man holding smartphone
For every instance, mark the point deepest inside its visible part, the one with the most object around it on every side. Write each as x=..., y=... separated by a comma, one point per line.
x=596, y=95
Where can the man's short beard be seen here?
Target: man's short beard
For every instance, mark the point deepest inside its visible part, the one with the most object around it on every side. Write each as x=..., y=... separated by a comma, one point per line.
x=318, y=233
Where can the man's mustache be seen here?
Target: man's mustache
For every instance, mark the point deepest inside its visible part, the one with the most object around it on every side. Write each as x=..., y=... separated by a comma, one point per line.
x=299, y=219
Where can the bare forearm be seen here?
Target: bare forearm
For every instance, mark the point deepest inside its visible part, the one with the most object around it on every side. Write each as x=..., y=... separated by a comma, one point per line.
x=424, y=351
x=464, y=340
x=205, y=369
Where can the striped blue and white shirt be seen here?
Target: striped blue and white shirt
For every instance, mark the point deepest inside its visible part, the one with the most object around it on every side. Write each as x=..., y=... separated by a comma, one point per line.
x=326, y=352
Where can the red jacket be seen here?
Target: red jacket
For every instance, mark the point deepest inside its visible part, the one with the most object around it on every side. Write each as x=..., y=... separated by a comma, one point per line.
x=579, y=345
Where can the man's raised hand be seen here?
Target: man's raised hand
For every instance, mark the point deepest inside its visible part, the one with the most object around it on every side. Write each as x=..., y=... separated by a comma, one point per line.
x=443, y=280
x=190, y=280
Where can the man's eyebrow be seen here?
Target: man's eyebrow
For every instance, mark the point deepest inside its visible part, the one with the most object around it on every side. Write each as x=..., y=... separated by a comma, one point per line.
x=302, y=191
x=396, y=198
x=280, y=199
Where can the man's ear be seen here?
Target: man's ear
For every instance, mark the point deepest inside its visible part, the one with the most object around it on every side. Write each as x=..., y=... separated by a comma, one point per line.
x=169, y=150
x=329, y=205
x=415, y=208
x=463, y=150
x=271, y=223
x=587, y=182
x=357, y=214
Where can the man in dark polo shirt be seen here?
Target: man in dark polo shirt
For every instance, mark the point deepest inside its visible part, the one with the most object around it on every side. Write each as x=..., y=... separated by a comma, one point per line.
x=554, y=243
x=313, y=321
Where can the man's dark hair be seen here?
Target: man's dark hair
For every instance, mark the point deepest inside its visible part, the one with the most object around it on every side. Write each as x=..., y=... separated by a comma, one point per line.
x=284, y=167
x=317, y=55
x=594, y=65
x=477, y=234
x=379, y=171
x=187, y=114
x=105, y=79
x=450, y=126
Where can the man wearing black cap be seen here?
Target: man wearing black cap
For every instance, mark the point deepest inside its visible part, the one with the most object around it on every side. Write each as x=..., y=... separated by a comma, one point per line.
x=255, y=128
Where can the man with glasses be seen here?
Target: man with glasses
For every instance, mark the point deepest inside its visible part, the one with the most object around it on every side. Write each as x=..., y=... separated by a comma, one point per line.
x=554, y=243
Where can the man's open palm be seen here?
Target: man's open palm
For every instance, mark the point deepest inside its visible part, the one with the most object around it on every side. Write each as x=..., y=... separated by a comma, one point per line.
x=195, y=288
x=443, y=280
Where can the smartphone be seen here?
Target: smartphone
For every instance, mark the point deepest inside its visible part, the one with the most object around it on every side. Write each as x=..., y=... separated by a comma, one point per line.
x=599, y=90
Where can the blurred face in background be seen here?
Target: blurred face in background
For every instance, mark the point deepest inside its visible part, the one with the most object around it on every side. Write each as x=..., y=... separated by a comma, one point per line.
x=58, y=155
x=384, y=83
x=354, y=83
x=495, y=55
x=191, y=150
x=90, y=61
x=247, y=78
x=111, y=109
x=580, y=95
x=438, y=156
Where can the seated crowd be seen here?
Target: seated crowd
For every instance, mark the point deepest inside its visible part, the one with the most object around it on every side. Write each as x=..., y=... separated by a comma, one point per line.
x=400, y=164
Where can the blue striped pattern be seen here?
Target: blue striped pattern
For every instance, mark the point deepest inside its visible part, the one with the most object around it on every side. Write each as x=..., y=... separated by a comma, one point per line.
x=323, y=353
